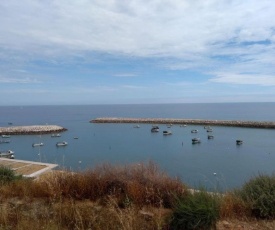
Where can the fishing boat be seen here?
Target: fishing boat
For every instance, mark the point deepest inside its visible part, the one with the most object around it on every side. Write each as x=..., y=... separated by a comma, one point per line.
x=167, y=132
x=196, y=140
x=7, y=154
x=4, y=141
x=55, y=135
x=239, y=142
x=194, y=131
x=155, y=129
x=37, y=144
x=210, y=137
x=62, y=143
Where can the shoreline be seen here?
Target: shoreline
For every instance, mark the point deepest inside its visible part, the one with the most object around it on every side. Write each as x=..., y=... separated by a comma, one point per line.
x=31, y=129
x=229, y=123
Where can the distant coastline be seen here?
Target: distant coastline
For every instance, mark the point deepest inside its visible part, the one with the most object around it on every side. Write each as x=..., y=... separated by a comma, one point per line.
x=231, y=123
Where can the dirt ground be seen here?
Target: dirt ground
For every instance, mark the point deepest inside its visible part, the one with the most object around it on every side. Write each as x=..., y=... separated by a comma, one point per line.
x=233, y=224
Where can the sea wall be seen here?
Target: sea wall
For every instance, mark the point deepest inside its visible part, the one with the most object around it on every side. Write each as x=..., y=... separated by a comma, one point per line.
x=33, y=129
x=232, y=123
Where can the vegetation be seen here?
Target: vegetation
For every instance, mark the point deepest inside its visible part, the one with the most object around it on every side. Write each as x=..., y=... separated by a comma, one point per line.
x=259, y=193
x=199, y=210
x=137, y=196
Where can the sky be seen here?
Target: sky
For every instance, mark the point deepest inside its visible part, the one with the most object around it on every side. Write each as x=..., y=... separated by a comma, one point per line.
x=66, y=52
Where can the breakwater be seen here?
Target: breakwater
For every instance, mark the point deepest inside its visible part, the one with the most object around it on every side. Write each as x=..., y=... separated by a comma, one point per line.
x=33, y=129
x=232, y=123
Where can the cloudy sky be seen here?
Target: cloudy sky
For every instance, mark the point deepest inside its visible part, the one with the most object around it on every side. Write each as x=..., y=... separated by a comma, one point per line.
x=136, y=51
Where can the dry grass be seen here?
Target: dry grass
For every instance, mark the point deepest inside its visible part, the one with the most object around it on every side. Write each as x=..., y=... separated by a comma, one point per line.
x=110, y=197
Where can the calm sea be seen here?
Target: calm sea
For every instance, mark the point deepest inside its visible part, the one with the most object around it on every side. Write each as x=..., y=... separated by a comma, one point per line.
x=218, y=162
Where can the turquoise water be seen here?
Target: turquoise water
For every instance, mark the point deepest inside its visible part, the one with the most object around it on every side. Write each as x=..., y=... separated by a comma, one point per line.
x=121, y=143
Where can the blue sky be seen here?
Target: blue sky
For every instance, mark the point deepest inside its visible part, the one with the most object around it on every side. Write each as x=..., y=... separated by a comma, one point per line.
x=137, y=51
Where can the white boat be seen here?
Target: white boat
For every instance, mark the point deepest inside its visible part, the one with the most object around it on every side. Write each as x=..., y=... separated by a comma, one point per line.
x=210, y=137
x=6, y=136
x=167, y=132
x=37, y=144
x=4, y=141
x=194, y=131
x=55, y=135
x=155, y=129
x=7, y=154
x=183, y=125
x=62, y=143
x=136, y=126
x=196, y=140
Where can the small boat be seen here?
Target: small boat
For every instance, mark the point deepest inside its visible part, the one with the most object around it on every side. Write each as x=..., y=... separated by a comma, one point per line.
x=239, y=142
x=62, y=143
x=169, y=125
x=7, y=154
x=6, y=136
x=55, y=135
x=210, y=137
x=183, y=125
x=167, y=132
x=196, y=140
x=4, y=141
x=37, y=144
x=194, y=131
x=209, y=130
x=155, y=129
x=136, y=126
x=10, y=123
x=75, y=137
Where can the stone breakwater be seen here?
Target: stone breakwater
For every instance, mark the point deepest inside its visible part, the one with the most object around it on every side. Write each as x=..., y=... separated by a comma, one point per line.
x=33, y=129
x=232, y=123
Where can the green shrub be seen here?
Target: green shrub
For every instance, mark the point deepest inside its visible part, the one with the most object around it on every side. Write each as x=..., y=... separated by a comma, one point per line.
x=259, y=192
x=195, y=211
x=7, y=175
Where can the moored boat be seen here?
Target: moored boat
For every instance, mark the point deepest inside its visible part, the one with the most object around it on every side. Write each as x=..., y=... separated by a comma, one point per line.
x=62, y=143
x=239, y=142
x=210, y=137
x=55, y=135
x=4, y=141
x=6, y=136
x=136, y=126
x=194, y=131
x=7, y=154
x=37, y=144
x=155, y=129
x=167, y=132
x=196, y=140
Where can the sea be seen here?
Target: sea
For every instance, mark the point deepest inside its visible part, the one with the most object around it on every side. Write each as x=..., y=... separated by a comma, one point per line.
x=217, y=164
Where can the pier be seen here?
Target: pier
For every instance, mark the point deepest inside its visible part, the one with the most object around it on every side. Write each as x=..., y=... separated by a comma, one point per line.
x=230, y=123
x=33, y=129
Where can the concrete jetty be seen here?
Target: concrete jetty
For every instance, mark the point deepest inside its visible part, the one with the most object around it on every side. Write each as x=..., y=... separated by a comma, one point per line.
x=27, y=168
x=232, y=123
x=33, y=129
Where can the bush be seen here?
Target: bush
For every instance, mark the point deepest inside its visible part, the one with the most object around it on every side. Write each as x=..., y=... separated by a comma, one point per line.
x=7, y=175
x=195, y=211
x=259, y=192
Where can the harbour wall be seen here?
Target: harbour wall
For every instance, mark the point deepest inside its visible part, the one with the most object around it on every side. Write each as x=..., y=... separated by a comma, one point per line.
x=231, y=123
x=33, y=129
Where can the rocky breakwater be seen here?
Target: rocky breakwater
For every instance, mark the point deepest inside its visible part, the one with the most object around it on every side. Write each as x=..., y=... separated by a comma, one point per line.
x=232, y=123
x=33, y=129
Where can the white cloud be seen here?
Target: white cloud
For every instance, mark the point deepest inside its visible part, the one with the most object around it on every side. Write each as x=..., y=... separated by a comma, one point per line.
x=25, y=80
x=244, y=79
